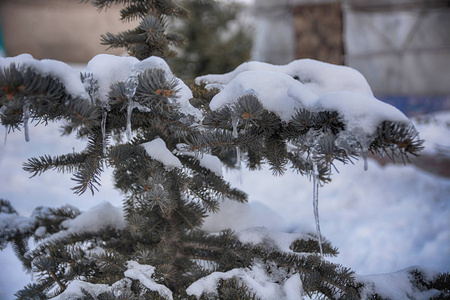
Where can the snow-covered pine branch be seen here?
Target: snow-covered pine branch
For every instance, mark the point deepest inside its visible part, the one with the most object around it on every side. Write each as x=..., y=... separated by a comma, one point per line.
x=267, y=114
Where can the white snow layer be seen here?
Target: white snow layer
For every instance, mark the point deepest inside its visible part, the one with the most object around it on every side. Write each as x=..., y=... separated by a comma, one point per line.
x=70, y=77
x=15, y=224
x=157, y=150
x=359, y=111
x=144, y=273
x=75, y=290
x=97, y=218
x=109, y=69
x=12, y=224
x=383, y=285
x=136, y=271
x=320, y=77
x=205, y=160
x=257, y=279
x=240, y=216
x=106, y=69
x=320, y=87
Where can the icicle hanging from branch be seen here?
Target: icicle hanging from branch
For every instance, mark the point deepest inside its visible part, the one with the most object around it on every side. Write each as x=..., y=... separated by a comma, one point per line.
x=26, y=117
x=130, y=91
x=235, y=123
x=104, y=138
x=316, y=182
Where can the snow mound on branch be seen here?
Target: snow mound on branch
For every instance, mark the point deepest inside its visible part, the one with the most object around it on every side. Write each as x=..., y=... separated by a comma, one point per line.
x=210, y=162
x=157, y=150
x=307, y=84
x=99, y=217
x=320, y=77
x=382, y=284
x=144, y=273
x=12, y=223
x=184, y=94
x=239, y=216
x=268, y=237
x=264, y=284
x=75, y=290
x=69, y=77
x=359, y=111
x=205, y=160
x=271, y=89
x=109, y=69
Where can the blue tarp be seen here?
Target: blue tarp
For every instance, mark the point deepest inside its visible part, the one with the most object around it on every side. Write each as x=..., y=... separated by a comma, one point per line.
x=414, y=105
x=2, y=48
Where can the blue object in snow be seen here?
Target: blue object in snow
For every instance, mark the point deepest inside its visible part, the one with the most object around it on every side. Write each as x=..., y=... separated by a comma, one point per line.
x=2, y=48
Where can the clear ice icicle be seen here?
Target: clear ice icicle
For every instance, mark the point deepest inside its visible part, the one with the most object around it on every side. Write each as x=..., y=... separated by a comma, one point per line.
x=239, y=163
x=104, y=115
x=316, y=204
x=130, y=91
x=364, y=153
x=26, y=116
x=234, y=123
x=129, y=113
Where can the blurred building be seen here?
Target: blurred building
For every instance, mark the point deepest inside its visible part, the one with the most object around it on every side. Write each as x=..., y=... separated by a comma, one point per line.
x=65, y=30
x=290, y=29
x=402, y=47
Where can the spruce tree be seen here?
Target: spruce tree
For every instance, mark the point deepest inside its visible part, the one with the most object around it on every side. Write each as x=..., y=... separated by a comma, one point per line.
x=156, y=142
x=217, y=41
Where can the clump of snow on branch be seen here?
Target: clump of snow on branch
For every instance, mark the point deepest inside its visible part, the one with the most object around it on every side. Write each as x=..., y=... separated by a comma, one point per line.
x=135, y=271
x=109, y=69
x=106, y=69
x=144, y=273
x=12, y=224
x=157, y=150
x=69, y=76
x=306, y=84
x=269, y=87
x=267, y=285
x=99, y=217
x=205, y=160
x=76, y=288
x=240, y=216
x=382, y=284
x=276, y=239
x=321, y=78
x=359, y=111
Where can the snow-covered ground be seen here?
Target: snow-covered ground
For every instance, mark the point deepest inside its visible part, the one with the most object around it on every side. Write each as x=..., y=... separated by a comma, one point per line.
x=382, y=220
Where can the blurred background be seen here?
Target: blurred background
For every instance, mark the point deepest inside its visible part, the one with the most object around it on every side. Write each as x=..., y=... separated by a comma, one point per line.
x=402, y=47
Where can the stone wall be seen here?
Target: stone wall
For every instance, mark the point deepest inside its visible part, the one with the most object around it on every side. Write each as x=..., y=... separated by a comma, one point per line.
x=65, y=30
x=318, y=32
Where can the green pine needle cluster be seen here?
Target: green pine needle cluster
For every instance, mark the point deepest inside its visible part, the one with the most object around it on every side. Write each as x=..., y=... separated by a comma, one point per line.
x=150, y=36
